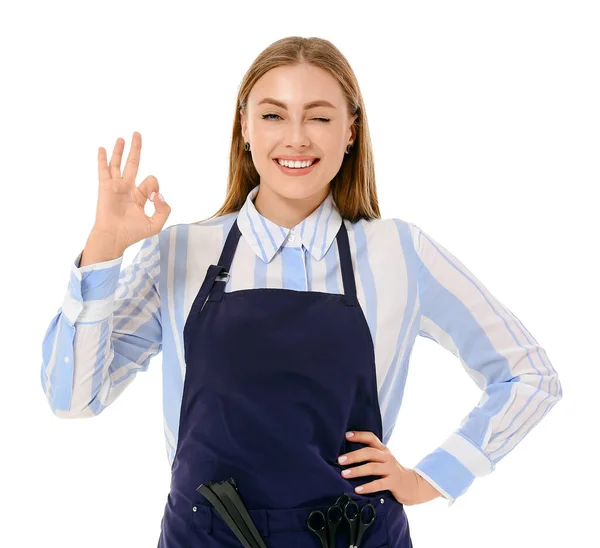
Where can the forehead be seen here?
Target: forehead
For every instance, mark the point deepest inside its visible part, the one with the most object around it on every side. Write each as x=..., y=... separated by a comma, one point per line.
x=297, y=85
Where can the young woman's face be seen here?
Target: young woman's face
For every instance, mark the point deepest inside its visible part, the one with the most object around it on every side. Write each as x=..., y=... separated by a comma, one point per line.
x=274, y=130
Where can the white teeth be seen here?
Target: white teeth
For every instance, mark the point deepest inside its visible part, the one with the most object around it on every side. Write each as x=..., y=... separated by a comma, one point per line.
x=290, y=163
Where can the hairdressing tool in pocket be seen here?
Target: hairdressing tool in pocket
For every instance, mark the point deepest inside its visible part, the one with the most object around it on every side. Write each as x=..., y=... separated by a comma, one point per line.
x=225, y=498
x=355, y=520
x=325, y=524
x=343, y=509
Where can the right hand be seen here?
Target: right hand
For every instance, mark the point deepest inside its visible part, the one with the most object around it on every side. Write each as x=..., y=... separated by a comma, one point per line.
x=120, y=211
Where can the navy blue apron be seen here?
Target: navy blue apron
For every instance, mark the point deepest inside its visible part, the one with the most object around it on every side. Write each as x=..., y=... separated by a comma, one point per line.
x=274, y=378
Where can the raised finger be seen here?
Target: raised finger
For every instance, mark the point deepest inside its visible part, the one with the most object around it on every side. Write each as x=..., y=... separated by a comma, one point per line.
x=133, y=158
x=115, y=159
x=103, y=172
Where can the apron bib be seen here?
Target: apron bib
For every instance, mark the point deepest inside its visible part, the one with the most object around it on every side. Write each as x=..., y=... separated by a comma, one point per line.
x=274, y=379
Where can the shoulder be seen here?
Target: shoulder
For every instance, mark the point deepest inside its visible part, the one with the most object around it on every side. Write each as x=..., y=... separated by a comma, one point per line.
x=216, y=222
x=200, y=236
x=384, y=229
x=200, y=228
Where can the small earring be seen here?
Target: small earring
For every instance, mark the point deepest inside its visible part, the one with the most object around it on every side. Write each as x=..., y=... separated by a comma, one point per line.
x=246, y=147
x=348, y=149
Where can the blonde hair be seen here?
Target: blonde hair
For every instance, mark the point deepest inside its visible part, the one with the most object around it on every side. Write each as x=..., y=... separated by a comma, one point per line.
x=353, y=187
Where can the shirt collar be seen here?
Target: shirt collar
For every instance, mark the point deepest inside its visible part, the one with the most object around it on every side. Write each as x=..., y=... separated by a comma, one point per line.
x=265, y=237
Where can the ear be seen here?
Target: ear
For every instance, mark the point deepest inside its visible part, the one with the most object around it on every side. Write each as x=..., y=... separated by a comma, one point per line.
x=353, y=128
x=244, y=124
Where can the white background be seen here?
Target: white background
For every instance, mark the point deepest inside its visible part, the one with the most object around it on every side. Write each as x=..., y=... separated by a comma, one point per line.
x=484, y=118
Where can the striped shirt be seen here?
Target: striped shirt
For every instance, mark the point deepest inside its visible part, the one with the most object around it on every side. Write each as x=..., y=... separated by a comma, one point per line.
x=113, y=321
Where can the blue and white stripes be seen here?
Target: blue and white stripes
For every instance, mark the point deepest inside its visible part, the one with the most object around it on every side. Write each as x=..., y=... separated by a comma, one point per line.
x=518, y=381
x=113, y=321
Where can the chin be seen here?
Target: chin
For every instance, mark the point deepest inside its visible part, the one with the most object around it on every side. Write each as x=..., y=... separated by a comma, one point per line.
x=297, y=190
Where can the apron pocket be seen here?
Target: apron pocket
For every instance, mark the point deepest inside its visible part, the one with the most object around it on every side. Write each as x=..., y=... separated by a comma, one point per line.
x=206, y=532
x=283, y=528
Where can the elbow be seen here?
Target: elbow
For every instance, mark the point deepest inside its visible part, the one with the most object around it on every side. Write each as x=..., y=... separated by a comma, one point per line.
x=548, y=383
x=68, y=415
x=68, y=403
x=66, y=410
x=73, y=413
x=557, y=388
x=553, y=385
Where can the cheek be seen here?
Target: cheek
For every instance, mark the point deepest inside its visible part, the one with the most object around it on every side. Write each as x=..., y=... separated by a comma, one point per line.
x=265, y=143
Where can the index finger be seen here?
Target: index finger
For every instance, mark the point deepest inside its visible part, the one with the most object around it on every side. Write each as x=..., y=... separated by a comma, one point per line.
x=103, y=172
x=133, y=158
x=365, y=436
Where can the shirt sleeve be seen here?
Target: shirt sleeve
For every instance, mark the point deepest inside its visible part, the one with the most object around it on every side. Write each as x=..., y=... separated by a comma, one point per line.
x=107, y=329
x=519, y=384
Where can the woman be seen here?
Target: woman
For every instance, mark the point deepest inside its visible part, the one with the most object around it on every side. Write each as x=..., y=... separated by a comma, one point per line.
x=287, y=320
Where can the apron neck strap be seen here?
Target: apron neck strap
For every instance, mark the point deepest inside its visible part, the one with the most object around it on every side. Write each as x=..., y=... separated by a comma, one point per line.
x=346, y=264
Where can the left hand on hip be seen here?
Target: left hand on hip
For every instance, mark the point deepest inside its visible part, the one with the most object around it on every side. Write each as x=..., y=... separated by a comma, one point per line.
x=407, y=486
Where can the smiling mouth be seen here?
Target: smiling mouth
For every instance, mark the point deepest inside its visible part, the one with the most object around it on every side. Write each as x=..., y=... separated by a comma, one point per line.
x=315, y=161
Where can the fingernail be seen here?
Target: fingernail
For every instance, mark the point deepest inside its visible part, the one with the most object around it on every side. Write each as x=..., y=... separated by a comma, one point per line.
x=152, y=196
x=160, y=196
x=349, y=434
x=342, y=459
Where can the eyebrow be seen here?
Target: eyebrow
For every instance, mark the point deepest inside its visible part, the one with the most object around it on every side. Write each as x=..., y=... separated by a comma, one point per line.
x=319, y=103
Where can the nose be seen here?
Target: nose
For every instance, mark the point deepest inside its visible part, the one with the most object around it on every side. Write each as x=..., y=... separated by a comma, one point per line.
x=297, y=135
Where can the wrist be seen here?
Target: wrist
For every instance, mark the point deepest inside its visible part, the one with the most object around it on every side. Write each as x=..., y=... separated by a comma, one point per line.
x=101, y=247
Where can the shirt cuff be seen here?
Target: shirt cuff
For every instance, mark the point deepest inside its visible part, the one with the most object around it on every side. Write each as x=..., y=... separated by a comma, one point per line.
x=453, y=466
x=90, y=295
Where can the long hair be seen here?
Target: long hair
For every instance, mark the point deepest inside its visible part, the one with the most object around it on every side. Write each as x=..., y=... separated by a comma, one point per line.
x=353, y=187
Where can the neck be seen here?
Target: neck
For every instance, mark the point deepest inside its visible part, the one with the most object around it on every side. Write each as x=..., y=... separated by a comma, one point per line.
x=287, y=212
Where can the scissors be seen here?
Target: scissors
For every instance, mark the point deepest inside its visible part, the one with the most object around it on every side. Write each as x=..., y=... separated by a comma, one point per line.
x=355, y=519
x=335, y=513
x=326, y=532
